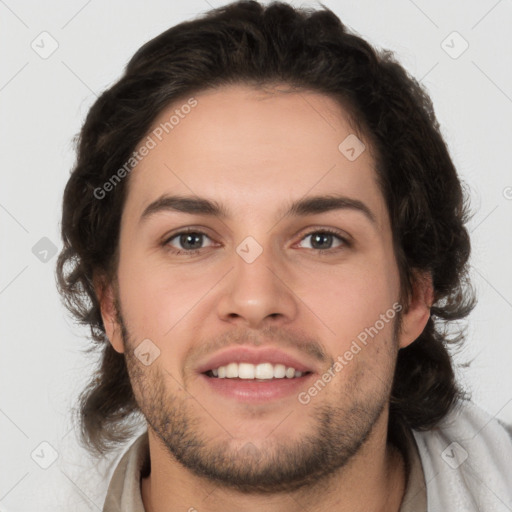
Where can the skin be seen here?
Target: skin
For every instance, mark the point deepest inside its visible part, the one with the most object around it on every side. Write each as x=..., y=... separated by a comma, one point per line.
x=255, y=152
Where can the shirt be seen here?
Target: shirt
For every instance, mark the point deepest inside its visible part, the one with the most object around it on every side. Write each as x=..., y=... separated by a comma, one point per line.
x=464, y=464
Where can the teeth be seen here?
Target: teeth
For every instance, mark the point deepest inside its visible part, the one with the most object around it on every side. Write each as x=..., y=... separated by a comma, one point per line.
x=245, y=370
x=290, y=373
x=231, y=370
x=262, y=371
x=279, y=371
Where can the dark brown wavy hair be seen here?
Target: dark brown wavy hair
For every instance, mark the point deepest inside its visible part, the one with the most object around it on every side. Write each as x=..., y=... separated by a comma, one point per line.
x=305, y=49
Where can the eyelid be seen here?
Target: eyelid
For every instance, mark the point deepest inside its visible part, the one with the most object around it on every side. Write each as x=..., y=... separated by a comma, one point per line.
x=343, y=235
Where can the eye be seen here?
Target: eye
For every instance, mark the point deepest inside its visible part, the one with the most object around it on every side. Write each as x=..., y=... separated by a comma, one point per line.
x=190, y=242
x=322, y=240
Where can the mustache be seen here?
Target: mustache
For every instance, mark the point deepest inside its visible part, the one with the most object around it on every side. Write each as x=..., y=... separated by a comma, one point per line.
x=269, y=336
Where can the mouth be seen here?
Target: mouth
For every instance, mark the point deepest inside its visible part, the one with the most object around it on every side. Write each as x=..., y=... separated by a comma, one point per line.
x=262, y=372
x=255, y=383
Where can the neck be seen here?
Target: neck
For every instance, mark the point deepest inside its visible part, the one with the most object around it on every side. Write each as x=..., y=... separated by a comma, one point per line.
x=373, y=481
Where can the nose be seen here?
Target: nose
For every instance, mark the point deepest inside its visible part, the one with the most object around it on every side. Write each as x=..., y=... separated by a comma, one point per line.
x=258, y=293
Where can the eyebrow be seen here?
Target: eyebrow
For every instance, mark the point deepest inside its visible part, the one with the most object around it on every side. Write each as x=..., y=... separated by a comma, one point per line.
x=307, y=206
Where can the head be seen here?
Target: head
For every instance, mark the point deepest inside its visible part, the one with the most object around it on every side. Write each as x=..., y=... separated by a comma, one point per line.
x=254, y=109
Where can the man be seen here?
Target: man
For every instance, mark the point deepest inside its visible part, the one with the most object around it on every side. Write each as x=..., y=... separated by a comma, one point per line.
x=265, y=232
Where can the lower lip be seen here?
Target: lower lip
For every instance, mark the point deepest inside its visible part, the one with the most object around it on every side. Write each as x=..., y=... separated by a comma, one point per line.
x=257, y=391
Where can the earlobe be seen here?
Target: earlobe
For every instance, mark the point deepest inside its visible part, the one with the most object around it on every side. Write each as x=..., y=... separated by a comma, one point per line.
x=416, y=316
x=106, y=298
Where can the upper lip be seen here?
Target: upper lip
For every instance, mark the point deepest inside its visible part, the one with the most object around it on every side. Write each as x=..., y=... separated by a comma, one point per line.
x=271, y=355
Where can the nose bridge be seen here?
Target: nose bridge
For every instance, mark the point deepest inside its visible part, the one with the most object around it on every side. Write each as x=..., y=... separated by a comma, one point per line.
x=256, y=263
x=256, y=287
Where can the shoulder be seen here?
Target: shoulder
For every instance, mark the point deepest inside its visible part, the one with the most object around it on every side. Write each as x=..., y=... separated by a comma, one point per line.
x=124, y=492
x=467, y=460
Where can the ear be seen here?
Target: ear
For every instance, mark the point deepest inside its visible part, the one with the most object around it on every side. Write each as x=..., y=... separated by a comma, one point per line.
x=106, y=297
x=416, y=316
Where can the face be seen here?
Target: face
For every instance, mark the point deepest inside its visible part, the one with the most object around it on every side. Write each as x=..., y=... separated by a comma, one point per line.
x=258, y=286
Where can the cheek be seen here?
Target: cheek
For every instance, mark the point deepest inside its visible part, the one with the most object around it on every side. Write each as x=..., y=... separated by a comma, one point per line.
x=158, y=300
x=360, y=312
x=350, y=299
x=145, y=296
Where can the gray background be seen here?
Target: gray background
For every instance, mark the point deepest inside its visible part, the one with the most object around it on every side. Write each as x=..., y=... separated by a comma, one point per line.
x=43, y=104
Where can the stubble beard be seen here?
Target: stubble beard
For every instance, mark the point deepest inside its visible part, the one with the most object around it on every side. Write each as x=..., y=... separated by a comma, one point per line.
x=336, y=433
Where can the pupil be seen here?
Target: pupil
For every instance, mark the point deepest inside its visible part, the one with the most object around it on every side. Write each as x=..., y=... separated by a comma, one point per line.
x=321, y=237
x=190, y=236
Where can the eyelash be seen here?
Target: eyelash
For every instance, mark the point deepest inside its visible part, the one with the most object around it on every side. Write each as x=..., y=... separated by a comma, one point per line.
x=193, y=252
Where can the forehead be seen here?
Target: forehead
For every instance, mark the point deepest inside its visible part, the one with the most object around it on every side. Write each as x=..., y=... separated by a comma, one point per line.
x=254, y=151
